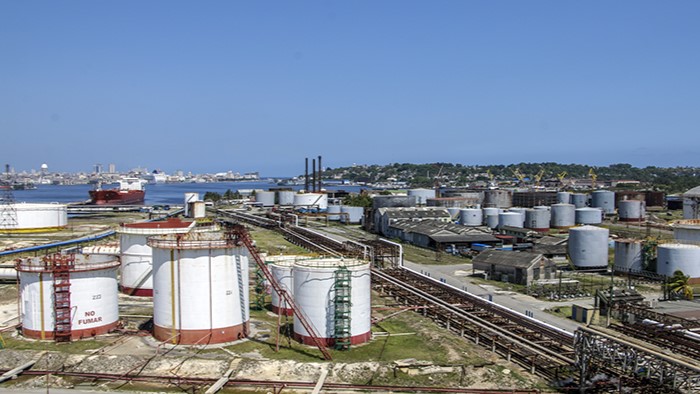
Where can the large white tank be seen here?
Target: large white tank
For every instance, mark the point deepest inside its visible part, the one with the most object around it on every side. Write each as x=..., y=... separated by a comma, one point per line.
x=563, y=197
x=266, y=198
x=537, y=219
x=579, y=200
x=471, y=217
x=631, y=210
x=136, y=272
x=31, y=217
x=521, y=211
x=93, y=306
x=285, y=197
x=492, y=221
x=333, y=209
x=563, y=215
x=190, y=198
x=421, y=195
x=510, y=219
x=628, y=255
x=490, y=211
x=311, y=202
x=200, y=288
x=684, y=257
x=315, y=293
x=587, y=215
x=605, y=200
x=588, y=247
x=354, y=214
x=687, y=231
x=281, y=269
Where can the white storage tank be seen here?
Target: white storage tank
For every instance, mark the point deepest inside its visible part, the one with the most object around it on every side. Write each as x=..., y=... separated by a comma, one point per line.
x=563, y=197
x=333, y=210
x=490, y=211
x=563, y=215
x=285, y=197
x=631, y=210
x=510, y=219
x=190, y=198
x=684, y=257
x=354, y=214
x=605, y=200
x=32, y=217
x=199, y=209
x=200, y=288
x=265, y=198
x=316, y=287
x=687, y=231
x=691, y=203
x=537, y=219
x=629, y=255
x=85, y=299
x=579, y=200
x=421, y=195
x=313, y=202
x=588, y=247
x=492, y=221
x=521, y=211
x=587, y=215
x=136, y=272
x=471, y=217
x=454, y=213
x=281, y=268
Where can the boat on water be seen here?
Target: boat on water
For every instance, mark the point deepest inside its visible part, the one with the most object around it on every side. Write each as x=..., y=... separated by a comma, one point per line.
x=129, y=192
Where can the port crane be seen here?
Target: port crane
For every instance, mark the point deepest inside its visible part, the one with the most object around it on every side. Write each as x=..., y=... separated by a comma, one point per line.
x=539, y=176
x=519, y=175
x=594, y=177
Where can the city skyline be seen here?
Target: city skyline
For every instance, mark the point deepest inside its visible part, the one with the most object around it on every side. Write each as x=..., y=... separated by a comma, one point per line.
x=257, y=87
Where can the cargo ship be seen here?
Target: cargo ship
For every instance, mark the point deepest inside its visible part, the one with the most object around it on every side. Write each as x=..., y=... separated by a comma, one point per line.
x=129, y=192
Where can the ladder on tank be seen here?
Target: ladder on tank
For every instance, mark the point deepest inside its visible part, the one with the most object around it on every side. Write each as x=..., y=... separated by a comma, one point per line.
x=342, y=308
x=241, y=235
x=61, y=266
x=241, y=294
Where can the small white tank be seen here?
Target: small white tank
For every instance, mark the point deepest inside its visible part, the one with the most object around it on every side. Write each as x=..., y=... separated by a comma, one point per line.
x=334, y=209
x=588, y=247
x=311, y=201
x=200, y=288
x=537, y=219
x=587, y=215
x=684, y=257
x=90, y=287
x=629, y=255
x=490, y=211
x=510, y=219
x=631, y=210
x=687, y=231
x=605, y=200
x=563, y=215
x=315, y=290
x=281, y=269
x=471, y=217
x=492, y=221
x=579, y=200
x=521, y=211
x=354, y=214
x=563, y=197
x=266, y=198
x=285, y=197
x=190, y=198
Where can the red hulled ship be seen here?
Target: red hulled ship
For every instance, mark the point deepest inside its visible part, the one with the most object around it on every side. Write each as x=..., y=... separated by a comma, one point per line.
x=129, y=192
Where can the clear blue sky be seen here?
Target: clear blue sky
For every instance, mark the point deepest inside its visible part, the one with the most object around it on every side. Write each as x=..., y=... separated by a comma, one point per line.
x=259, y=85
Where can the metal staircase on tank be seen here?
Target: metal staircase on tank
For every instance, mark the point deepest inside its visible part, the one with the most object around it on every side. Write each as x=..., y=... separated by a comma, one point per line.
x=61, y=266
x=342, y=305
x=240, y=234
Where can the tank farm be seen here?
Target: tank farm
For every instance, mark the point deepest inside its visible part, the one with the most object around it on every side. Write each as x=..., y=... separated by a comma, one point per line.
x=196, y=280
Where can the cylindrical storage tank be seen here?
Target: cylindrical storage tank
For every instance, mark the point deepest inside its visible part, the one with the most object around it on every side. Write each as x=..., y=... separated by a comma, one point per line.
x=199, y=209
x=605, y=200
x=200, y=288
x=588, y=247
x=471, y=217
x=136, y=272
x=579, y=200
x=544, y=207
x=266, y=198
x=687, y=231
x=631, y=210
x=521, y=211
x=673, y=257
x=421, y=195
x=31, y=217
x=334, y=209
x=490, y=211
x=317, y=291
x=281, y=269
x=510, y=219
x=587, y=215
x=492, y=221
x=354, y=214
x=285, y=197
x=189, y=199
x=498, y=198
x=629, y=255
x=314, y=202
x=537, y=219
x=563, y=215
x=563, y=197
x=454, y=213
x=91, y=304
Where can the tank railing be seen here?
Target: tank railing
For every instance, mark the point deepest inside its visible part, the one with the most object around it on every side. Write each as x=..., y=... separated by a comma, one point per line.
x=334, y=263
x=155, y=231
x=190, y=244
x=50, y=264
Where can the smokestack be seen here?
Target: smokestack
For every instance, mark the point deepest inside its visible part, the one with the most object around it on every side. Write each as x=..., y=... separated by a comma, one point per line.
x=320, y=173
x=306, y=176
x=313, y=165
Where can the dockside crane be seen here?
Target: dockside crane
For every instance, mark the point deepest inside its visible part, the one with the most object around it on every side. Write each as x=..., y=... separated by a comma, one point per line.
x=594, y=177
x=562, y=175
x=519, y=175
x=539, y=176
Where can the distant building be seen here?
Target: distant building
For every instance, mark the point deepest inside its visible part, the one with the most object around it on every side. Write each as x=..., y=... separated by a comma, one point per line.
x=521, y=268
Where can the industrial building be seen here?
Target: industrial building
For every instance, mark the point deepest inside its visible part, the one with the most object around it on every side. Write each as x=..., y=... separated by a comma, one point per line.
x=514, y=267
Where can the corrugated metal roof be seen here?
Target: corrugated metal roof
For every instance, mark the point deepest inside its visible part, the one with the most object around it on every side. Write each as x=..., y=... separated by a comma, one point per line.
x=503, y=257
x=694, y=192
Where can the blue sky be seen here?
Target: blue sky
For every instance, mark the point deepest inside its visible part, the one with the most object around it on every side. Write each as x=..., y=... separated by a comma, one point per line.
x=259, y=85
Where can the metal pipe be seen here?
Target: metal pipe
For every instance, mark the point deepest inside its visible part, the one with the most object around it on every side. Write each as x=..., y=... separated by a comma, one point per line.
x=313, y=165
x=306, y=175
x=320, y=173
x=172, y=293
x=400, y=249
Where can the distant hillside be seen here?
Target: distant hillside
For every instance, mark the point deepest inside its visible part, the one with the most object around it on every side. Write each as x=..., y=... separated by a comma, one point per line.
x=670, y=180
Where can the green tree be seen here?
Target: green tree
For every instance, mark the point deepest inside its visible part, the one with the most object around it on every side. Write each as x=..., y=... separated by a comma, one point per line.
x=678, y=284
x=212, y=196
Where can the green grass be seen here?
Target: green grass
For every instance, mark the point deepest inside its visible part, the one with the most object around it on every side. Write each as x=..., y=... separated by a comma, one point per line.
x=268, y=241
x=75, y=347
x=561, y=311
x=429, y=256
